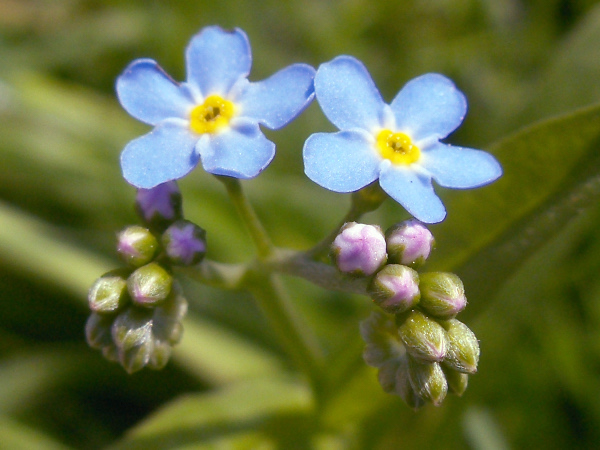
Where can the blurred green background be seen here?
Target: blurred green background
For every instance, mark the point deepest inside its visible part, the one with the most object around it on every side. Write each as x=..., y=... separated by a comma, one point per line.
x=62, y=200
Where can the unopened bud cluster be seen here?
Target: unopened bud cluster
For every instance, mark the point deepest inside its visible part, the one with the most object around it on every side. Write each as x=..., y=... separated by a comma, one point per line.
x=137, y=310
x=421, y=350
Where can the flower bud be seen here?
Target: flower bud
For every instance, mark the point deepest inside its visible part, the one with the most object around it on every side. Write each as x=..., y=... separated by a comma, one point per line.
x=149, y=285
x=109, y=293
x=160, y=355
x=387, y=375
x=377, y=327
x=395, y=288
x=409, y=243
x=424, y=338
x=132, y=334
x=442, y=294
x=375, y=355
x=166, y=319
x=111, y=352
x=457, y=381
x=98, y=330
x=159, y=206
x=404, y=389
x=428, y=381
x=359, y=249
x=185, y=243
x=462, y=352
x=136, y=245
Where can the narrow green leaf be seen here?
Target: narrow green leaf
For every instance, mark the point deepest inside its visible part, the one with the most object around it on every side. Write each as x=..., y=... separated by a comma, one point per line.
x=551, y=174
x=197, y=418
x=17, y=436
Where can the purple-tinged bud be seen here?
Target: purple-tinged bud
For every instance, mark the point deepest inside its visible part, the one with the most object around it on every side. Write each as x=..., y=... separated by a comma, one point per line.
x=457, y=381
x=442, y=294
x=184, y=243
x=428, y=381
x=159, y=206
x=424, y=338
x=462, y=352
x=149, y=285
x=136, y=245
x=395, y=288
x=109, y=293
x=359, y=249
x=409, y=243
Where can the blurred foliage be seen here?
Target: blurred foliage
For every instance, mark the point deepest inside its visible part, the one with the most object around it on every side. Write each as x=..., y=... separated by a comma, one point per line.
x=527, y=246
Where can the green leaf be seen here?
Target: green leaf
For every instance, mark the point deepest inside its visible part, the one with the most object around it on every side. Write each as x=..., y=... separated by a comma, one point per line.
x=551, y=173
x=246, y=410
x=18, y=436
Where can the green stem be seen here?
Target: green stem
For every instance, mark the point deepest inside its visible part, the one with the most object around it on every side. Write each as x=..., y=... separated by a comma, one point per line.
x=267, y=288
x=296, y=338
x=259, y=236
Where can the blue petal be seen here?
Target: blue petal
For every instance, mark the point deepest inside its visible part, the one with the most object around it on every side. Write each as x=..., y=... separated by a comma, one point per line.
x=347, y=94
x=216, y=59
x=149, y=94
x=242, y=151
x=429, y=106
x=460, y=168
x=164, y=154
x=341, y=162
x=276, y=101
x=414, y=191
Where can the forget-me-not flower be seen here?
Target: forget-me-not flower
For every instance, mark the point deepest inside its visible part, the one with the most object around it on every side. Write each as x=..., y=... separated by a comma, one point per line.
x=213, y=117
x=399, y=144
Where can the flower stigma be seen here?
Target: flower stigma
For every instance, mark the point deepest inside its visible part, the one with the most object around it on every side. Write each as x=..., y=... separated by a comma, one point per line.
x=210, y=116
x=397, y=147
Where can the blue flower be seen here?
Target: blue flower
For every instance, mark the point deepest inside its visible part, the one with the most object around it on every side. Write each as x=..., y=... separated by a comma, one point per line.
x=399, y=144
x=213, y=117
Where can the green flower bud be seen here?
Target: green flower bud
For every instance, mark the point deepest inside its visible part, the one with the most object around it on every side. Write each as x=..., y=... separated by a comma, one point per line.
x=442, y=294
x=375, y=355
x=395, y=288
x=403, y=388
x=457, y=381
x=166, y=319
x=98, y=330
x=377, y=328
x=132, y=328
x=160, y=355
x=109, y=293
x=425, y=339
x=136, y=245
x=387, y=375
x=132, y=334
x=462, y=347
x=428, y=381
x=111, y=352
x=149, y=285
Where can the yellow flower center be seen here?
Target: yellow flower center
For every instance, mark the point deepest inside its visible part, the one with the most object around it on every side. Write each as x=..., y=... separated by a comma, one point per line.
x=397, y=147
x=214, y=113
